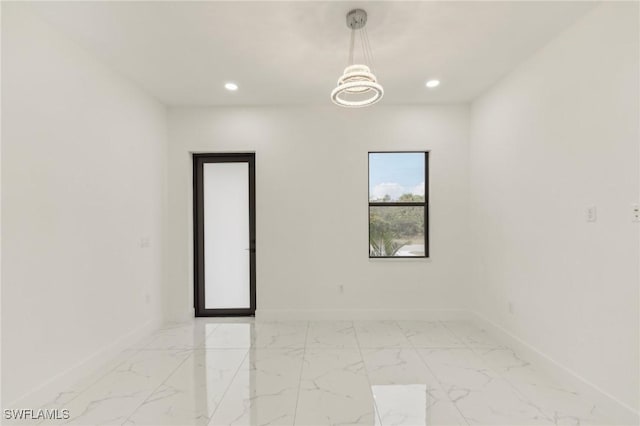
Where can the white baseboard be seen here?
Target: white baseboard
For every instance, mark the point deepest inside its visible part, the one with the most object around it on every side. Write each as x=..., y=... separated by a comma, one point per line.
x=624, y=414
x=42, y=393
x=184, y=315
x=360, y=314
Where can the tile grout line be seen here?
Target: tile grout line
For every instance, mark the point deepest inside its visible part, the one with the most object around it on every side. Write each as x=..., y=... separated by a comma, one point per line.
x=203, y=345
x=158, y=387
x=523, y=397
x=131, y=350
x=226, y=348
x=470, y=348
x=376, y=410
x=475, y=351
x=441, y=385
x=229, y=385
x=101, y=376
x=192, y=351
x=470, y=339
x=212, y=331
x=304, y=354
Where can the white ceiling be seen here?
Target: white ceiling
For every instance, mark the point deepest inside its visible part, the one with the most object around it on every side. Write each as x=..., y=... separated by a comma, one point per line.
x=293, y=52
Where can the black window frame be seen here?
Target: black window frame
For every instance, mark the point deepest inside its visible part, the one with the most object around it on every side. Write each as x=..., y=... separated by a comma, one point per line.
x=424, y=204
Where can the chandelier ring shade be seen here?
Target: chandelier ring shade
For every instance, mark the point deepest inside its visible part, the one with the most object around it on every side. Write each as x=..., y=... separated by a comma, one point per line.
x=356, y=73
x=357, y=87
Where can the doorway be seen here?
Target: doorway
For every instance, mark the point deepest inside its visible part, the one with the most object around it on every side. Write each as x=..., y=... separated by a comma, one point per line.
x=224, y=234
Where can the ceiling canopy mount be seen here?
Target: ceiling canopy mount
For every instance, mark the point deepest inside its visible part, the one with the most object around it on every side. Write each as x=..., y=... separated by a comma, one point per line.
x=356, y=19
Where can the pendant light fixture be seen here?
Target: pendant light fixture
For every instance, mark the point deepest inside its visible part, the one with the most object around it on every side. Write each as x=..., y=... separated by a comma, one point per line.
x=358, y=85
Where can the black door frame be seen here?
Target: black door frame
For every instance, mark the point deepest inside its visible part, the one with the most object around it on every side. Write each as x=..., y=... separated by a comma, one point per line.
x=199, y=160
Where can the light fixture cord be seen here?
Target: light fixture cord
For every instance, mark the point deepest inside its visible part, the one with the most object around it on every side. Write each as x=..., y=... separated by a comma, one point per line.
x=365, y=57
x=368, y=49
x=351, y=45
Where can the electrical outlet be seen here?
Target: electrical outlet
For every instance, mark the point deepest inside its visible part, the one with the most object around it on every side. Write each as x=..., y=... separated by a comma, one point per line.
x=635, y=211
x=591, y=214
x=510, y=307
x=341, y=288
x=147, y=298
x=145, y=242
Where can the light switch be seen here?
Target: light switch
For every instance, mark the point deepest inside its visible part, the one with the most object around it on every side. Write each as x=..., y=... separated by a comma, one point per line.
x=591, y=214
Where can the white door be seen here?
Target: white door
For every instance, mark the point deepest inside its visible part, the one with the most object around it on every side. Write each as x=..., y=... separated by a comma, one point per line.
x=226, y=247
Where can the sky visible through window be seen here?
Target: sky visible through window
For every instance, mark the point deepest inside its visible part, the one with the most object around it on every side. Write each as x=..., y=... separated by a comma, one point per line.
x=395, y=174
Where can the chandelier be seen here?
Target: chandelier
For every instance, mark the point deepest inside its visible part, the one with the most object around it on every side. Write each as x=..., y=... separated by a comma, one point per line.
x=358, y=85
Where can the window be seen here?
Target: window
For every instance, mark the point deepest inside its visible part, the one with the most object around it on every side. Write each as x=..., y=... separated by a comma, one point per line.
x=398, y=204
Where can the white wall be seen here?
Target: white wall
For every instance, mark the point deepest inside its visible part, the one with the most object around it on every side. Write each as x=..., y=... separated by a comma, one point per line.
x=83, y=181
x=83, y=166
x=312, y=213
x=559, y=134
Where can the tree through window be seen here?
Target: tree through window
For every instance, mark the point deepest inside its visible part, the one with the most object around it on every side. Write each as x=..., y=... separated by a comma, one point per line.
x=398, y=204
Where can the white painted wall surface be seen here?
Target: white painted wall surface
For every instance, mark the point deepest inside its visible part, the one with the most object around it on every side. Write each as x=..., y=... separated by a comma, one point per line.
x=557, y=135
x=83, y=166
x=312, y=211
x=83, y=182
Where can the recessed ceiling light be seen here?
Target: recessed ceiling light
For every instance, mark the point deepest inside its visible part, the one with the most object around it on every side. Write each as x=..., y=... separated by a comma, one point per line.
x=432, y=83
x=232, y=87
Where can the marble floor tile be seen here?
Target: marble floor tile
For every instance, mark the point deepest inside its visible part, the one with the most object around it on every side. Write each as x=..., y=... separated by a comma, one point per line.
x=479, y=393
x=241, y=371
x=334, y=389
x=471, y=334
x=331, y=334
x=231, y=336
x=405, y=391
x=498, y=403
x=429, y=334
x=380, y=334
x=64, y=396
x=264, y=391
x=113, y=398
x=397, y=366
x=193, y=391
x=229, y=320
x=458, y=370
x=564, y=406
x=173, y=325
x=177, y=336
x=281, y=335
x=414, y=404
